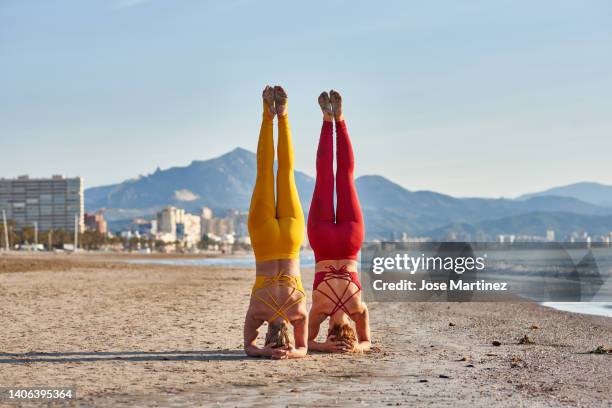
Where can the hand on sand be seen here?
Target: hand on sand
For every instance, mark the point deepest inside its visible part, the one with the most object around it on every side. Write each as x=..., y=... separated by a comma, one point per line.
x=270, y=350
x=333, y=346
x=279, y=353
x=285, y=353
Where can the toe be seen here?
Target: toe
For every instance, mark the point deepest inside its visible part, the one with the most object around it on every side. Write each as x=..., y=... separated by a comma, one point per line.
x=335, y=96
x=280, y=91
x=268, y=92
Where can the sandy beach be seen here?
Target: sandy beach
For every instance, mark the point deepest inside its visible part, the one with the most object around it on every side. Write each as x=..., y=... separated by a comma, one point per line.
x=151, y=335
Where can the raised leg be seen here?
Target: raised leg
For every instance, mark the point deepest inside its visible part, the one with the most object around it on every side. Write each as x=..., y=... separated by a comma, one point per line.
x=288, y=199
x=322, y=204
x=262, y=201
x=348, y=208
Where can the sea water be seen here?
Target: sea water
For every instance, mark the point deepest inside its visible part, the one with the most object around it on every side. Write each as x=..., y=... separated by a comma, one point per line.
x=306, y=260
x=591, y=308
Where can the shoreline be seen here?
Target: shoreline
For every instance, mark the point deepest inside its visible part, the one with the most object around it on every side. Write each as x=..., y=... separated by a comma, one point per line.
x=128, y=334
x=603, y=309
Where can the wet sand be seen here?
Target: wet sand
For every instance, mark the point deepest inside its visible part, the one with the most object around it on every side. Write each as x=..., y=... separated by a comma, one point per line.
x=126, y=334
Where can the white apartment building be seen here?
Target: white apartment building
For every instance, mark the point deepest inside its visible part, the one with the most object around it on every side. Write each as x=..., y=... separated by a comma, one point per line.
x=173, y=224
x=50, y=203
x=167, y=220
x=234, y=223
x=190, y=230
x=206, y=213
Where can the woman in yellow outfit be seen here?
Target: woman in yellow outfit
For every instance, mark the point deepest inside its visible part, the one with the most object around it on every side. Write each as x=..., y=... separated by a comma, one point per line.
x=276, y=228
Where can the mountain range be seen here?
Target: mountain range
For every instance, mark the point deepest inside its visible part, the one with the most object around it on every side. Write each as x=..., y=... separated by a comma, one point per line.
x=389, y=209
x=590, y=192
x=220, y=183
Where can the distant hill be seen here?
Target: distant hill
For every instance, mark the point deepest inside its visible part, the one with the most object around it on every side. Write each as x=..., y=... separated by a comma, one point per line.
x=220, y=183
x=389, y=207
x=530, y=224
x=589, y=192
x=227, y=181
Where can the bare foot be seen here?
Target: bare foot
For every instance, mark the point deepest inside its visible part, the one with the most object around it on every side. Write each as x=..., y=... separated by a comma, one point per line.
x=268, y=97
x=280, y=100
x=336, y=104
x=326, y=108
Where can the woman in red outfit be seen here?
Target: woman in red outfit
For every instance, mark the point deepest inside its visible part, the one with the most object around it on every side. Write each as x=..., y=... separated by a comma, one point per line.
x=336, y=238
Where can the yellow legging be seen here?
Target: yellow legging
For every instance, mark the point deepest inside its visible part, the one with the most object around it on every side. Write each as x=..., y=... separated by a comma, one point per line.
x=276, y=229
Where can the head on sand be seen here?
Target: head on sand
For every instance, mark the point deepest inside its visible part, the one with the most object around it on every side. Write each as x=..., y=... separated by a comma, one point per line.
x=278, y=334
x=343, y=332
x=341, y=329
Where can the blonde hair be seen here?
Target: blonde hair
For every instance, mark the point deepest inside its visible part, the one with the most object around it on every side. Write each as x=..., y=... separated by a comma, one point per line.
x=278, y=333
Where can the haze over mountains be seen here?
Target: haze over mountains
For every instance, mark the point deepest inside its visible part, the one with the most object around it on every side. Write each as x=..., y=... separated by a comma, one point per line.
x=590, y=192
x=389, y=209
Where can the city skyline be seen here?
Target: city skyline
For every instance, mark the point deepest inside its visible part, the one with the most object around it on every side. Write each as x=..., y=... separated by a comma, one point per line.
x=473, y=99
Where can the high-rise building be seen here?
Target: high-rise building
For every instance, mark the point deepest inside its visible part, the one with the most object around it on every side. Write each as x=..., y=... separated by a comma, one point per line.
x=206, y=213
x=217, y=226
x=96, y=222
x=234, y=223
x=189, y=230
x=240, y=223
x=167, y=220
x=50, y=203
x=175, y=224
x=144, y=227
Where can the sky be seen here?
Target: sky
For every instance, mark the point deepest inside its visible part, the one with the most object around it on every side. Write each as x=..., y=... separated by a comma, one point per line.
x=468, y=98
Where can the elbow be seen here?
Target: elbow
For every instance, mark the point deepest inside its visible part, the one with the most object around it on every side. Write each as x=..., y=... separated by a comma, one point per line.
x=251, y=351
x=301, y=352
x=365, y=345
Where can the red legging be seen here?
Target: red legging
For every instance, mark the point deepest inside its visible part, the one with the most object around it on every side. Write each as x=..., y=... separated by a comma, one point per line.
x=340, y=235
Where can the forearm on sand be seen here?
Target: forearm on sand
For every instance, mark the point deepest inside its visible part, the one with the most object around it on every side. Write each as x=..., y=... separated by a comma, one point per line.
x=362, y=327
x=300, y=334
